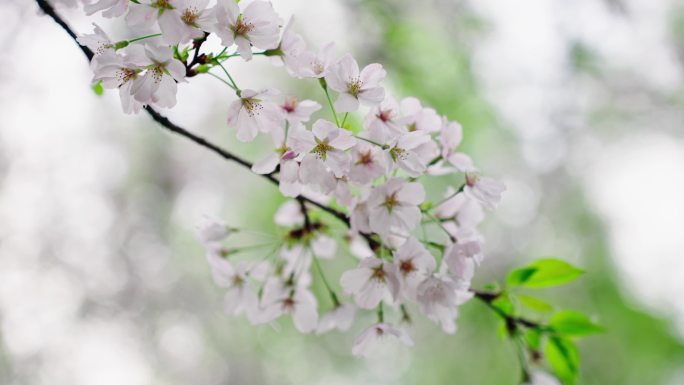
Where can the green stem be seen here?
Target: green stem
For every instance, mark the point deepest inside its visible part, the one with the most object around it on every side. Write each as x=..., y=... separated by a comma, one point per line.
x=235, y=87
x=370, y=141
x=144, y=37
x=381, y=313
x=221, y=79
x=333, y=296
x=460, y=189
x=344, y=119
x=324, y=85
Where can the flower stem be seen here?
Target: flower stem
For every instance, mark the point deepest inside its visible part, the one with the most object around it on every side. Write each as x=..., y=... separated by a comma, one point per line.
x=333, y=296
x=235, y=87
x=324, y=85
x=144, y=37
x=370, y=141
x=381, y=313
x=344, y=119
x=221, y=79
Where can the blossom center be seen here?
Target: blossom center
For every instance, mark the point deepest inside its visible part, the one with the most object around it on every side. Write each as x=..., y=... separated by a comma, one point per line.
x=398, y=153
x=378, y=274
x=190, y=16
x=384, y=115
x=391, y=201
x=354, y=87
x=126, y=74
x=161, y=4
x=241, y=28
x=407, y=267
x=253, y=106
x=412, y=127
x=288, y=304
x=365, y=158
x=237, y=281
x=471, y=180
x=290, y=105
x=322, y=148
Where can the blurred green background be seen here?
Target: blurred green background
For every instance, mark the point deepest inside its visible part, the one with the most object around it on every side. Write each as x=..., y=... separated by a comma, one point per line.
x=575, y=106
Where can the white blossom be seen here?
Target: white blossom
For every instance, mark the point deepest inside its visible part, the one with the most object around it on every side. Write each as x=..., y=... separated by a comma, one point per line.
x=354, y=86
x=371, y=281
x=257, y=25
x=394, y=205
x=377, y=334
x=485, y=190
x=254, y=112
x=339, y=318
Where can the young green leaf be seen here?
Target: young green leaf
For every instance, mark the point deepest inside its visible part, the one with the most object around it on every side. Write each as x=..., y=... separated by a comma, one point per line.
x=97, y=88
x=573, y=323
x=519, y=276
x=504, y=303
x=534, y=303
x=563, y=356
x=533, y=338
x=544, y=273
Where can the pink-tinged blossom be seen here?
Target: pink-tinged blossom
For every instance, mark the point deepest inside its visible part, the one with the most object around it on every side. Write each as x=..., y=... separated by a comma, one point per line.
x=356, y=87
x=372, y=281
x=186, y=21
x=450, y=138
x=339, y=318
x=291, y=47
x=144, y=14
x=254, y=112
x=414, y=264
x=289, y=214
x=375, y=336
x=460, y=265
x=257, y=26
x=109, y=8
x=121, y=72
x=384, y=121
x=158, y=84
x=327, y=145
x=419, y=118
x=360, y=218
x=315, y=64
x=240, y=297
x=280, y=299
x=402, y=153
x=212, y=232
x=98, y=41
x=297, y=112
x=368, y=163
x=394, y=205
x=283, y=156
x=485, y=190
x=439, y=298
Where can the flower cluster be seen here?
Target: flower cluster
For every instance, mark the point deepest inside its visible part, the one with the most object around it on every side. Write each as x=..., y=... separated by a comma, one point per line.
x=374, y=173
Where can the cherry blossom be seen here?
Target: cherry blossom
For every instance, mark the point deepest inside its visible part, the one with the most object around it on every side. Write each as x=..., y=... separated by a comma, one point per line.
x=254, y=112
x=109, y=8
x=414, y=264
x=419, y=118
x=315, y=65
x=187, y=20
x=485, y=190
x=439, y=297
x=98, y=41
x=394, y=205
x=300, y=303
x=327, y=145
x=121, y=72
x=401, y=152
x=384, y=120
x=284, y=157
x=158, y=84
x=367, y=164
x=450, y=138
x=339, y=318
x=375, y=335
x=297, y=112
x=354, y=86
x=371, y=281
x=257, y=25
x=240, y=297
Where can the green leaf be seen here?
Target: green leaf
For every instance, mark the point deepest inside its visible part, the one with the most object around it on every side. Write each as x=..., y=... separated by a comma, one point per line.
x=504, y=303
x=544, y=273
x=563, y=356
x=97, y=88
x=533, y=338
x=519, y=276
x=573, y=323
x=534, y=303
